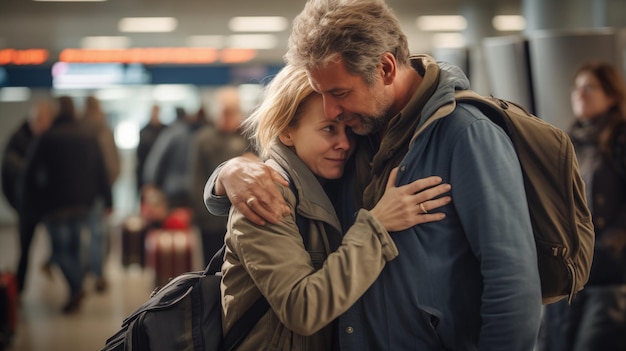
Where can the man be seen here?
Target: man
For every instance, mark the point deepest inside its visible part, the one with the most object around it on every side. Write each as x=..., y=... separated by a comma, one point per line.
x=167, y=166
x=213, y=144
x=469, y=282
x=38, y=121
x=147, y=137
x=64, y=175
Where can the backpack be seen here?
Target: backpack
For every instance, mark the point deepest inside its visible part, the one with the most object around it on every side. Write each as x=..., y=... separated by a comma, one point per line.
x=186, y=313
x=555, y=191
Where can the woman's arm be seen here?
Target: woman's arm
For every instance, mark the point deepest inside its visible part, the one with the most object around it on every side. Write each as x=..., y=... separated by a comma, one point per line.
x=306, y=299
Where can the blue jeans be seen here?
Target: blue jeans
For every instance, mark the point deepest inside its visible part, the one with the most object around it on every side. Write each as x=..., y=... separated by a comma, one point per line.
x=97, y=238
x=65, y=240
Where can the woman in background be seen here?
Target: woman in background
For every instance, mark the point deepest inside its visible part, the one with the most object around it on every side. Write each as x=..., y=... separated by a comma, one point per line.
x=596, y=319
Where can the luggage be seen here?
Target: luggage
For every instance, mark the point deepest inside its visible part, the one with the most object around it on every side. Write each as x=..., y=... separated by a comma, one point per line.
x=8, y=308
x=134, y=230
x=169, y=253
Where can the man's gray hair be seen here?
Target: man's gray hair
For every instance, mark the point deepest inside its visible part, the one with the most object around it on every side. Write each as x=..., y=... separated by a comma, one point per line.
x=357, y=31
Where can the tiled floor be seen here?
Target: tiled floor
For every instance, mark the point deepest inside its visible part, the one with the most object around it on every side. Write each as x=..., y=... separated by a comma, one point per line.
x=42, y=327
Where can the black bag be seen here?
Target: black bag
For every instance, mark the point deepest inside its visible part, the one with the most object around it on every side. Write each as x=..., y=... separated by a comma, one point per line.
x=555, y=192
x=185, y=314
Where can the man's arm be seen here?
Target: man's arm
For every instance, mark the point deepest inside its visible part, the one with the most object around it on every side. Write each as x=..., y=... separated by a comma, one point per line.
x=492, y=207
x=247, y=184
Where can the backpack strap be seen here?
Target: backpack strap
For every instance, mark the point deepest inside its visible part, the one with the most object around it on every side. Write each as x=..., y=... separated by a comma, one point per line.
x=250, y=318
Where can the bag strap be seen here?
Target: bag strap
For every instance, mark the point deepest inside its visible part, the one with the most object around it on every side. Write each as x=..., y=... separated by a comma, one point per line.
x=243, y=326
x=249, y=319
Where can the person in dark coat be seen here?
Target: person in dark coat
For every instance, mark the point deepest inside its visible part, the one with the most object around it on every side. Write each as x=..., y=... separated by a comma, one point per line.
x=64, y=174
x=147, y=136
x=596, y=318
x=37, y=122
x=167, y=166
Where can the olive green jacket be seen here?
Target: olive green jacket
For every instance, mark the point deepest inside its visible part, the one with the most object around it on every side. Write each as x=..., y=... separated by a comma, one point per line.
x=306, y=290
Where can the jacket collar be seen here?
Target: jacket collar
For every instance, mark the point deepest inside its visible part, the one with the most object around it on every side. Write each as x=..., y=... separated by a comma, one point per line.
x=313, y=202
x=446, y=79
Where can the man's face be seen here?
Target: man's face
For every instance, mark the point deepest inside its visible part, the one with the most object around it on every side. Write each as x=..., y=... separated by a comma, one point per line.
x=349, y=98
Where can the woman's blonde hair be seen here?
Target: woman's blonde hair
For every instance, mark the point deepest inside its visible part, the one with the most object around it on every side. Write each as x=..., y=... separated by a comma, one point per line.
x=280, y=108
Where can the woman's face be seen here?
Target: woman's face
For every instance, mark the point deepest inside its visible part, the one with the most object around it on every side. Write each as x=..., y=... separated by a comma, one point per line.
x=588, y=98
x=324, y=146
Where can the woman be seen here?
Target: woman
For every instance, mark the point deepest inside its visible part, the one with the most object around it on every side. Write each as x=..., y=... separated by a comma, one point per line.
x=308, y=290
x=596, y=320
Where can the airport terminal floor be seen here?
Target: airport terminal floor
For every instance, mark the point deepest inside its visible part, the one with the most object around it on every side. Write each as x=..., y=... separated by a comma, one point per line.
x=41, y=324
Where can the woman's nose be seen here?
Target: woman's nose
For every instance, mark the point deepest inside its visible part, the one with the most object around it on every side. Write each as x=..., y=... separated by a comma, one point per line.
x=343, y=140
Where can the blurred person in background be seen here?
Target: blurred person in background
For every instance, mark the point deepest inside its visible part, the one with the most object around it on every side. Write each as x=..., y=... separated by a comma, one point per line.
x=596, y=319
x=167, y=165
x=95, y=120
x=38, y=121
x=216, y=142
x=65, y=174
x=147, y=136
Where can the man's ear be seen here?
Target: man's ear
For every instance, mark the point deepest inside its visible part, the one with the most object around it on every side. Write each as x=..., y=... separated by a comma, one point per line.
x=388, y=65
x=285, y=137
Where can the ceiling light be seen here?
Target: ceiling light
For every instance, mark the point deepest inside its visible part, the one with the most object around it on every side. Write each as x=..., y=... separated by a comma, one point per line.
x=509, y=23
x=103, y=42
x=252, y=41
x=206, y=41
x=147, y=24
x=448, y=40
x=258, y=24
x=441, y=23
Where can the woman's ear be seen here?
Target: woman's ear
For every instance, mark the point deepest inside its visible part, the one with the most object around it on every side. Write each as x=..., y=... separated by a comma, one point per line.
x=285, y=137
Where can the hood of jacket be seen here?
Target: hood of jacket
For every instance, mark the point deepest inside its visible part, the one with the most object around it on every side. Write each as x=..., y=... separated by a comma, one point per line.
x=442, y=102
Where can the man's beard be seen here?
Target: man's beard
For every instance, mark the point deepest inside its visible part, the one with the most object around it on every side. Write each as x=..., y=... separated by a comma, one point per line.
x=370, y=125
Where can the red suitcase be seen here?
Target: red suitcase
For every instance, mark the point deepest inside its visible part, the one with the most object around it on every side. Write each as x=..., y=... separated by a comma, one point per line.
x=169, y=253
x=8, y=308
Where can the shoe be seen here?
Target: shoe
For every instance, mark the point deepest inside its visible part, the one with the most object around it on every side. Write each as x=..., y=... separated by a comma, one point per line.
x=74, y=304
x=101, y=285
